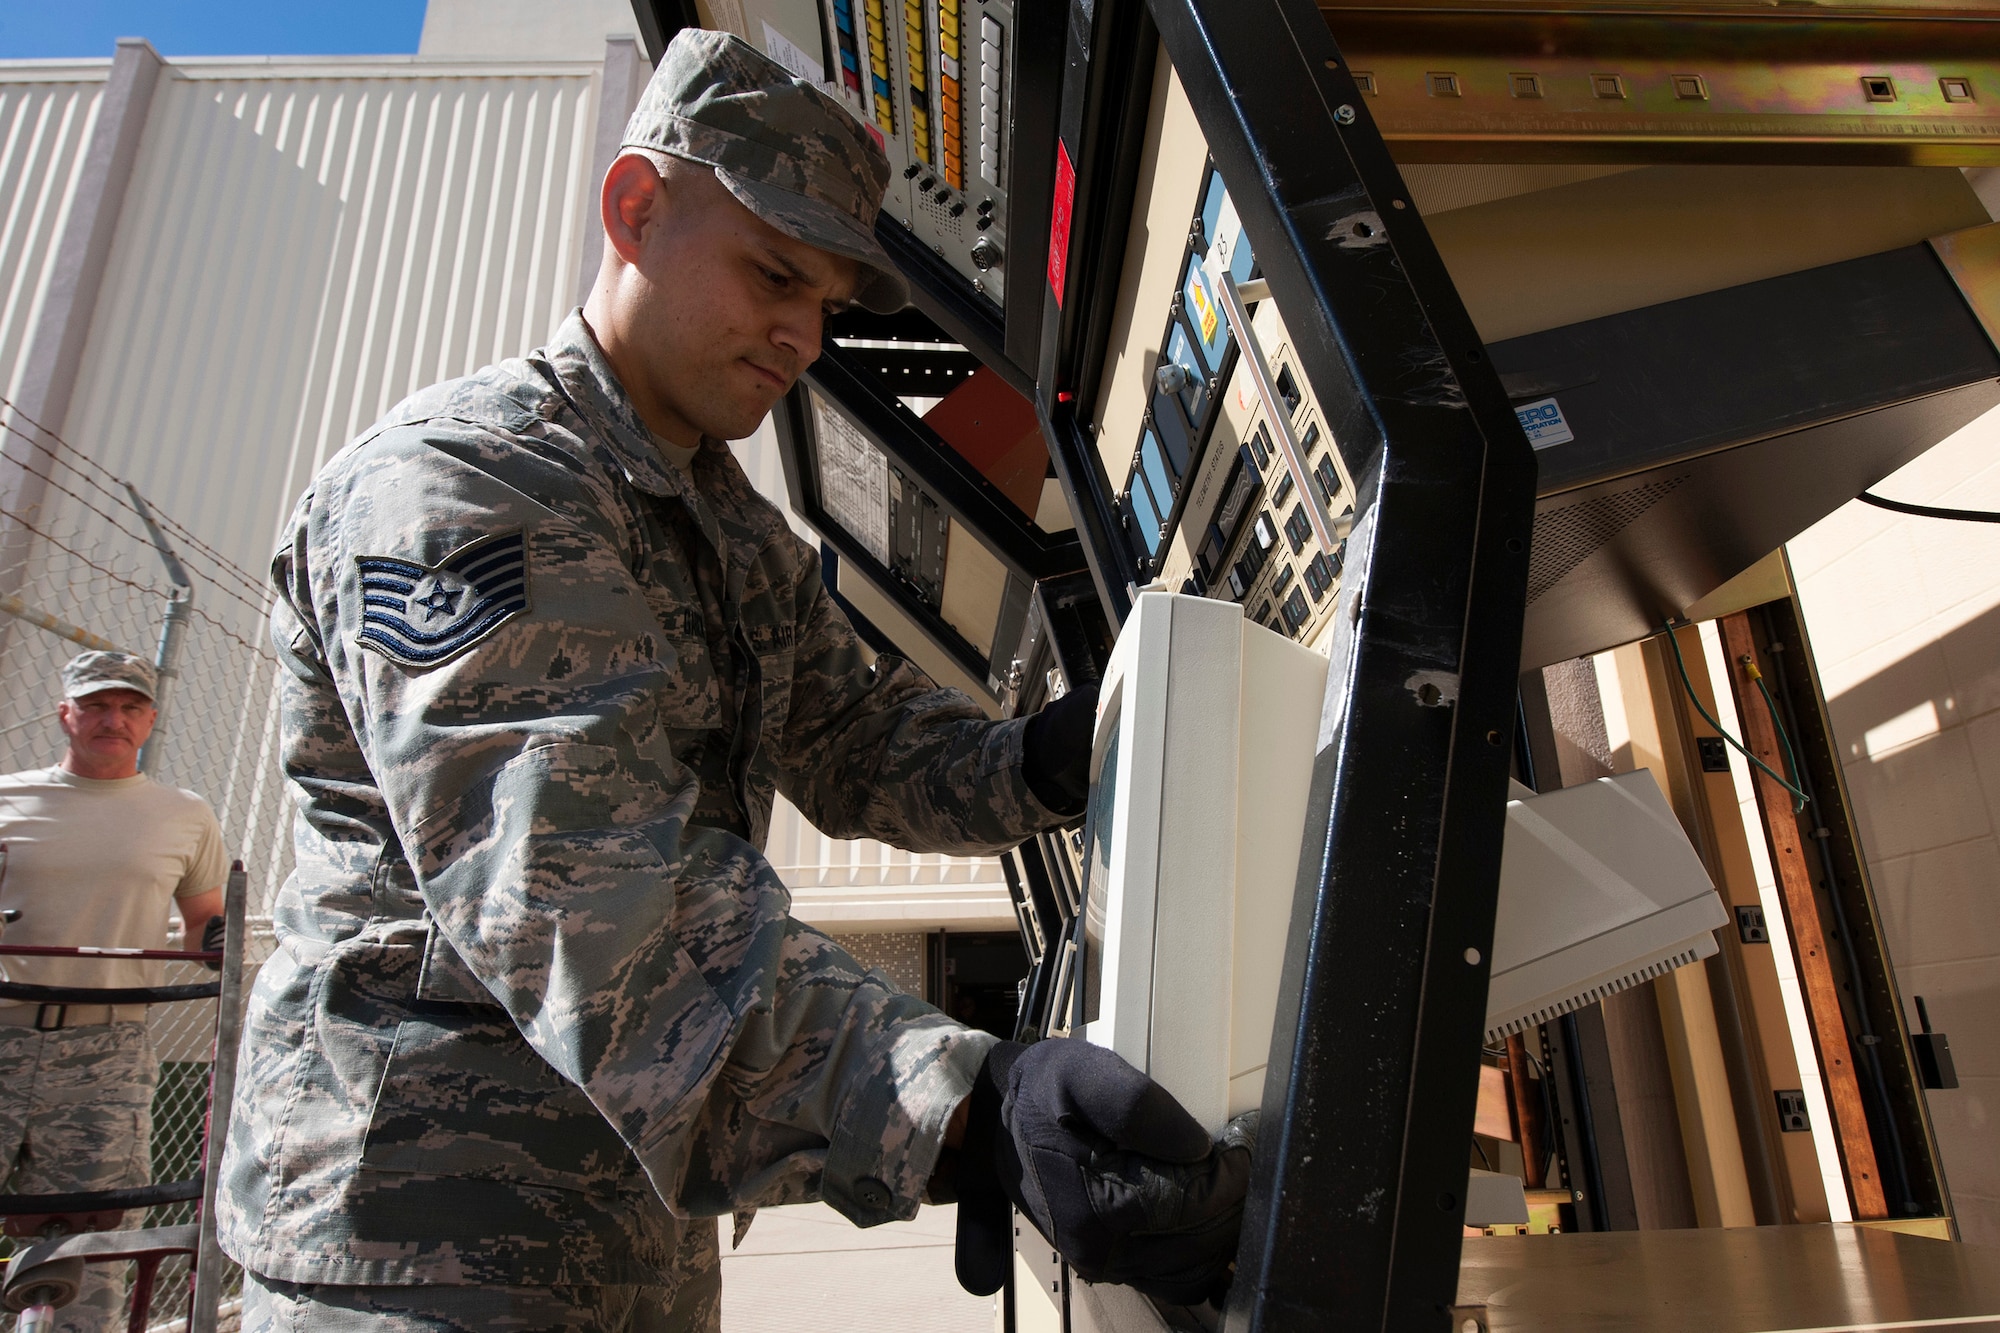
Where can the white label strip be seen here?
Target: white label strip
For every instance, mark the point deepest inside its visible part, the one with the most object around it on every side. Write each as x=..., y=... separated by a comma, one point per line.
x=1544, y=423
x=792, y=56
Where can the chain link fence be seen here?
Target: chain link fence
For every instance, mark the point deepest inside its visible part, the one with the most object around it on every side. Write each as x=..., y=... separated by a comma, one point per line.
x=82, y=567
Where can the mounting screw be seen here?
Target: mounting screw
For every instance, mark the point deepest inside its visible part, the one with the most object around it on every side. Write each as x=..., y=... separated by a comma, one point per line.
x=1344, y=114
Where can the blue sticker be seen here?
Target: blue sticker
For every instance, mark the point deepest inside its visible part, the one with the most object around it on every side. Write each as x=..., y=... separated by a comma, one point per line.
x=424, y=615
x=1543, y=421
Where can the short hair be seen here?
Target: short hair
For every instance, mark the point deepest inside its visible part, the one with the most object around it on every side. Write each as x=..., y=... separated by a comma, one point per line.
x=673, y=170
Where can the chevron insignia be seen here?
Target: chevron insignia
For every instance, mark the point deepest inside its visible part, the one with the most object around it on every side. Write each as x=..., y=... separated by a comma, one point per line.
x=424, y=615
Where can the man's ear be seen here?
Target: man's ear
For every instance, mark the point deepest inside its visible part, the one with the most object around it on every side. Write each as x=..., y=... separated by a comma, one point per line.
x=634, y=196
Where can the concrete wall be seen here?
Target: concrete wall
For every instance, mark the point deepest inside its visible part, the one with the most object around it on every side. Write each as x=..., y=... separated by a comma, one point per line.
x=1904, y=617
x=523, y=29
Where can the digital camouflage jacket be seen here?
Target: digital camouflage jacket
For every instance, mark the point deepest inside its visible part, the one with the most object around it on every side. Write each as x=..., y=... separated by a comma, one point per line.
x=533, y=975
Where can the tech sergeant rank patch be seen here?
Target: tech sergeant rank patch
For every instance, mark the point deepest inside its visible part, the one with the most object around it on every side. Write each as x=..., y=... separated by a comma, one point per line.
x=425, y=615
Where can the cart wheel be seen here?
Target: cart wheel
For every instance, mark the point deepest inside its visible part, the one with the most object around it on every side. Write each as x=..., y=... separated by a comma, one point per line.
x=53, y=1284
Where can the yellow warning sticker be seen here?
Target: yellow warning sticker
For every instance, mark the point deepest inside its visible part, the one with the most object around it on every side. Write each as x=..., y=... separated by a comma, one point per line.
x=1205, y=316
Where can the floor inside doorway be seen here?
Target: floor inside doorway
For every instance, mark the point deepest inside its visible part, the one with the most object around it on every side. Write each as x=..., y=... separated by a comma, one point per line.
x=810, y=1268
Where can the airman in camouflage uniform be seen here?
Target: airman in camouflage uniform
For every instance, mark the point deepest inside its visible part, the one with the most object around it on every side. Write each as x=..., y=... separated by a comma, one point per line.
x=538, y=1008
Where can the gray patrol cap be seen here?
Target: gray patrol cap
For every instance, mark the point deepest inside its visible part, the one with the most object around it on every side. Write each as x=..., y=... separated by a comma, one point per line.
x=93, y=672
x=791, y=154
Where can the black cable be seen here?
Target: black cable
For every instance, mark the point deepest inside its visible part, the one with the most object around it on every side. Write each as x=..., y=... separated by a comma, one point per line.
x=1929, y=511
x=1550, y=1157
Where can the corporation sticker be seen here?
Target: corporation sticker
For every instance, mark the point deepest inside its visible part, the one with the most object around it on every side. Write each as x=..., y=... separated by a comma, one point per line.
x=424, y=615
x=1544, y=423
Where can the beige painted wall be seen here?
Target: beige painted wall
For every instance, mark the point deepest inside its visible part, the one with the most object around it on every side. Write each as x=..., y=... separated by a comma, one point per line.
x=1904, y=617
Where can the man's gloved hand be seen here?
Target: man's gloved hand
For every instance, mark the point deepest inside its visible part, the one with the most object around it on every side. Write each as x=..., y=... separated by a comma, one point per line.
x=211, y=940
x=1108, y=1166
x=1055, y=755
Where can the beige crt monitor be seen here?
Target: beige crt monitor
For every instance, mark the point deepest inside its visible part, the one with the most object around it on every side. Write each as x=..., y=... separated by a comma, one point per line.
x=1205, y=732
x=1204, y=752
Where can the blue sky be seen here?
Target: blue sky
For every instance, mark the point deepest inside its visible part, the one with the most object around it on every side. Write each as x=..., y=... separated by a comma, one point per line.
x=43, y=28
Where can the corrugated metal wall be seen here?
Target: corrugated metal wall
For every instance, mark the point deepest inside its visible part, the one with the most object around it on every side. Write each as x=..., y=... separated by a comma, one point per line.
x=302, y=244
x=46, y=113
x=869, y=886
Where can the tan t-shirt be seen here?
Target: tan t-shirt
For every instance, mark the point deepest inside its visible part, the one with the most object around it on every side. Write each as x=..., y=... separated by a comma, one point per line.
x=94, y=862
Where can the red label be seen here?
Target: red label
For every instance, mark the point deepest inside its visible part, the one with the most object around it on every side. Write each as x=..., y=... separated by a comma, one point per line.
x=1059, y=210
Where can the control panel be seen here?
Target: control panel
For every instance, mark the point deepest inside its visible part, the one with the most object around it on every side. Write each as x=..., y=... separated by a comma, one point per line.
x=1246, y=533
x=933, y=81
x=1225, y=453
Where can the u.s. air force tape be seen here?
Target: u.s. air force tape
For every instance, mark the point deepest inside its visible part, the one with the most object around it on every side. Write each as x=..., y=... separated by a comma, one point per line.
x=424, y=615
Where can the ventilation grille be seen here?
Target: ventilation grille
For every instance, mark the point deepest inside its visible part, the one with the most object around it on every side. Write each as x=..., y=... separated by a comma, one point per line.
x=1566, y=537
x=1582, y=999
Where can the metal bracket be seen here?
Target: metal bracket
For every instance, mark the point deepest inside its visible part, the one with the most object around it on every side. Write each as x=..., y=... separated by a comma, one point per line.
x=173, y=624
x=1329, y=530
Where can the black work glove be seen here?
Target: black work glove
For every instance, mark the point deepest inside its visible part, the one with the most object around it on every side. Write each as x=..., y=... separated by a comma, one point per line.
x=1113, y=1172
x=1055, y=751
x=211, y=940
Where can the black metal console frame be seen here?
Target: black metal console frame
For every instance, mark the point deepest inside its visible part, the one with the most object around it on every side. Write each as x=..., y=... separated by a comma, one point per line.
x=1107, y=80
x=1356, y=1205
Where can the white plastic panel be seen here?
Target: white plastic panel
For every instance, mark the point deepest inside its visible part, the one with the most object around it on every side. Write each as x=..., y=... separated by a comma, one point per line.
x=1599, y=890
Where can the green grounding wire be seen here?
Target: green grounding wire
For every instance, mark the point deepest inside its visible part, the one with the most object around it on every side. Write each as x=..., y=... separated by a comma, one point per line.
x=1799, y=798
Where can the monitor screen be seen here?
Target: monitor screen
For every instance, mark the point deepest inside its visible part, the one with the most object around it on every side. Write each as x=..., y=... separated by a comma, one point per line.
x=1097, y=872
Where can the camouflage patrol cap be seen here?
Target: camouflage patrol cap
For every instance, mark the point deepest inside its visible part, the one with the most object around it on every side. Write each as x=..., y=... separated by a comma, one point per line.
x=791, y=154
x=94, y=672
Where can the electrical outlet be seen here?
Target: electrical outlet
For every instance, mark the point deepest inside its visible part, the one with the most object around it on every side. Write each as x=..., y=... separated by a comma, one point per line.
x=1750, y=926
x=1714, y=754
x=1792, y=1112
